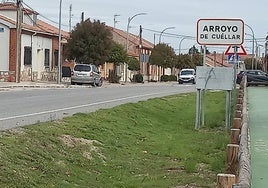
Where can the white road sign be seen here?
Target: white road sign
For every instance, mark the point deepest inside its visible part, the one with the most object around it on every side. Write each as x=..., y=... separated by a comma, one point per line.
x=220, y=31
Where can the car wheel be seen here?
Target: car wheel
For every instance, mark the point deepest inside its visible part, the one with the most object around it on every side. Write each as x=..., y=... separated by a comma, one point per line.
x=100, y=83
x=94, y=83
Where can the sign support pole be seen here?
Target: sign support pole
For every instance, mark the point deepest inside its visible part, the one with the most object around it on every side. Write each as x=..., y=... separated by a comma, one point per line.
x=197, y=115
x=204, y=90
x=228, y=95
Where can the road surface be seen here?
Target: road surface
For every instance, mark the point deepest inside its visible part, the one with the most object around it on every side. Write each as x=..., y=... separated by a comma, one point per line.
x=21, y=107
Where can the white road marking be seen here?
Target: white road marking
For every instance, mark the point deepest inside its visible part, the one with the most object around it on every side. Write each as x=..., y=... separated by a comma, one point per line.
x=80, y=106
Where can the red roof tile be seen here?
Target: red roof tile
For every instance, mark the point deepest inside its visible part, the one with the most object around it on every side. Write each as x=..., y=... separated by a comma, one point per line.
x=13, y=6
x=41, y=26
x=132, y=38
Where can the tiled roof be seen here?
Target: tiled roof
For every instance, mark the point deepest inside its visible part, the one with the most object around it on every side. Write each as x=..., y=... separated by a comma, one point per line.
x=7, y=20
x=133, y=38
x=40, y=26
x=222, y=59
x=12, y=6
x=218, y=59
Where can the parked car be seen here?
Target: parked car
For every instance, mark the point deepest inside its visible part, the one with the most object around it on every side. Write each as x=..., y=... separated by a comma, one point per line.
x=86, y=74
x=254, y=77
x=187, y=76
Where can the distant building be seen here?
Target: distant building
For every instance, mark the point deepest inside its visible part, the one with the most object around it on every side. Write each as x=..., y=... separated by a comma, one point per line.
x=140, y=49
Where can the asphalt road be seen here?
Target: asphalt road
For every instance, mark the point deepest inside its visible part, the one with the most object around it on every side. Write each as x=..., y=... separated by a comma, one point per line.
x=21, y=107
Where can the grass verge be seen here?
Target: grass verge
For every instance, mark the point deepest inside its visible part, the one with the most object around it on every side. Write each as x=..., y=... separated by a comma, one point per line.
x=146, y=144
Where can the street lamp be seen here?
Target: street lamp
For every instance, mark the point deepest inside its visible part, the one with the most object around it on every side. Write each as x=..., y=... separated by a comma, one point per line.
x=253, y=39
x=59, y=50
x=185, y=37
x=163, y=32
x=128, y=22
x=255, y=50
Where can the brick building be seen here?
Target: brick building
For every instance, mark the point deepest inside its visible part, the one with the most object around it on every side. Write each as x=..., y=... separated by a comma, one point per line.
x=38, y=46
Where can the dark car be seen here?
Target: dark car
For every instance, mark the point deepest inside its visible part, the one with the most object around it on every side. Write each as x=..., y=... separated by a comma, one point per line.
x=254, y=77
x=239, y=77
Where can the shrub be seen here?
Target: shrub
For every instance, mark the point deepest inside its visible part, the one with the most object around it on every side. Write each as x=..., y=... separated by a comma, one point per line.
x=167, y=78
x=113, y=77
x=173, y=78
x=137, y=78
x=164, y=78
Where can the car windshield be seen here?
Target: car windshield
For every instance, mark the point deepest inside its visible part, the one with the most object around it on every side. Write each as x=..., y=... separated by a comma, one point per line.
x=82, y=68
x=186, y=72
x=261, y=73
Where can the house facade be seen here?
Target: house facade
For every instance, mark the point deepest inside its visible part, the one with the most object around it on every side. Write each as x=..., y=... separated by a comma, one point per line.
x=140, y=49
x=38, y=57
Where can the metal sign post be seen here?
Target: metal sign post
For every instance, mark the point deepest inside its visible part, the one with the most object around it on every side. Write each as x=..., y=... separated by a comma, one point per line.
x=228, y=32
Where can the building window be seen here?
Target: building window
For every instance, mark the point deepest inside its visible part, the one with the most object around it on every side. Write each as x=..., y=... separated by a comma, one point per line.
x=46, y=58
x=56, y=55
x=27, y=55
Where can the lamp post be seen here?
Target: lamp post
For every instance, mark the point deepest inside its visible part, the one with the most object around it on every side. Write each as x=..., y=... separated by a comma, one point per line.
x=163, y=32
x=253, y=39
x=128, y=22
x=255, y=51
x=59, y=50
x=185, y=37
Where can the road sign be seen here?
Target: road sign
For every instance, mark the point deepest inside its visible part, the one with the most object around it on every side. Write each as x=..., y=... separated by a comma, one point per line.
x=214, y=78
x=220, y=31
x=240, y=50
x=232, y=59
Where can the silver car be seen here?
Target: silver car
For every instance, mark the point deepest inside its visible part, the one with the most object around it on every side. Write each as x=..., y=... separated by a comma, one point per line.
x=86, y=74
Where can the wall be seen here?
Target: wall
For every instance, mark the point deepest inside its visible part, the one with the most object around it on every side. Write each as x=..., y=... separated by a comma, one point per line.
x=37, y=70
x=39, y=45
x=10, y=14
x=4, y=48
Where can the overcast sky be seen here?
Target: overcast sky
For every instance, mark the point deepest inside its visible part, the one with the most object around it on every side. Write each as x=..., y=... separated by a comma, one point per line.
x=181, y=14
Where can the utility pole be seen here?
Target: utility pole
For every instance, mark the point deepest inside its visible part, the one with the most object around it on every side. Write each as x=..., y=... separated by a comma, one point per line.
x=266, y=54
x=18, y=43
x=140, y=50
x=115, y=21
x=70, y=18
x=59, y=46
x=82, y=17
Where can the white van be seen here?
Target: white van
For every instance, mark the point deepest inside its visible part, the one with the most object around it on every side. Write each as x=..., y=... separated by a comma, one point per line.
x=187, y=76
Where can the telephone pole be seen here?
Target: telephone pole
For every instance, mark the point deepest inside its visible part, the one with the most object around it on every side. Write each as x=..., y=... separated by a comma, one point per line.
x=70, y=18
x=18, y=43
x=115, y=21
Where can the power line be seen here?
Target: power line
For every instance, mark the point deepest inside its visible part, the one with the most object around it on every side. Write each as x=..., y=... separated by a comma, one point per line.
x=169, y=34
x=43, y=16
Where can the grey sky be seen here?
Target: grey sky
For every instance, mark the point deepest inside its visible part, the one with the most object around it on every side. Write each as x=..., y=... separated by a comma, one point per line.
x=181, y=14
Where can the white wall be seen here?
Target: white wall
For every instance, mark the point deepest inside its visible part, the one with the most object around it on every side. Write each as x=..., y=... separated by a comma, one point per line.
x=38, y=44
x=4, y=48
x=167, y=71
x=9, y=14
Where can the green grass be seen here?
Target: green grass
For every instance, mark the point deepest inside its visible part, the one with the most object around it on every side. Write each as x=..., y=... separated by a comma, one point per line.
x=146, y=144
